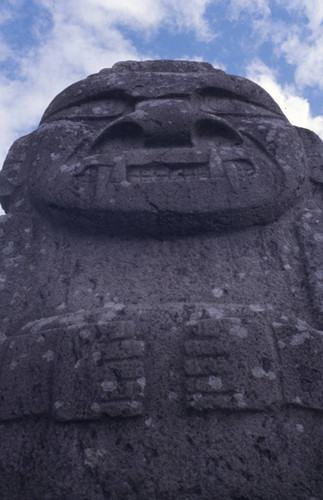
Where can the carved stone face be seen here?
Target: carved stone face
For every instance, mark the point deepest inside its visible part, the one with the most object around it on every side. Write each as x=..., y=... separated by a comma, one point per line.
x=168, y=147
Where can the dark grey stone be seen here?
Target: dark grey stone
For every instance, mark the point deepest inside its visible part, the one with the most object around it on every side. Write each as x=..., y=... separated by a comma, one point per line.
x=161, y=295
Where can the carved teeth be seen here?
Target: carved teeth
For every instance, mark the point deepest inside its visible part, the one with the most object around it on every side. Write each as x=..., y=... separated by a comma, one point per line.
x=149, y=173
x=215, y=165
x=232, y=175
x=119, y=173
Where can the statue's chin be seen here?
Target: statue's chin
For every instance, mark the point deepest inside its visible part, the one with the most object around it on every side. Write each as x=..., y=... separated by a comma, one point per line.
x=164, y=208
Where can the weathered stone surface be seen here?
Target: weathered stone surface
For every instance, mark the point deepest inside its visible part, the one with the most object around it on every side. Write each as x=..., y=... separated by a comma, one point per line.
x=161, y=304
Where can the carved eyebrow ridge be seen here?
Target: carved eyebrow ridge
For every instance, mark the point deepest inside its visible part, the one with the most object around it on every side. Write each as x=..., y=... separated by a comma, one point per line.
x=219, y=92
x=112, y=94
x=249, y=115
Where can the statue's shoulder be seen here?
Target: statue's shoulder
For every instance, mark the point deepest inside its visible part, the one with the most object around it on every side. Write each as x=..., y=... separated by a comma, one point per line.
x=310, y=222
x=14, y=263
x=310, y=235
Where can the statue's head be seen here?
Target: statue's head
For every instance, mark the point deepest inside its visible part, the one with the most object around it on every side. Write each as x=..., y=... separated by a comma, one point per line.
x=160, y=146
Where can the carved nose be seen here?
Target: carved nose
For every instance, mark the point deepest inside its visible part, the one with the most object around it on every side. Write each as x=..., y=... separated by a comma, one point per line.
x=165, y=122
x=169, y=123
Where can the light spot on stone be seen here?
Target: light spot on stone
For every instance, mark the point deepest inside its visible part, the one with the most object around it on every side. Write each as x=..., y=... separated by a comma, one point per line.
x=96, y=355
x=78, y=364
x=197, y=396
x=93, y=456
x=61, y=307
x=271, y=134
x=287, y=267
x=54, y=156
x=258, y=372
x=297, y=400
x=84, y=334
x=307, y=227
x=95, y=407
x=109, y=385
x=173, y=396
x=214, y=312
x=13, y=365
x=217, y=292
x=242, y=275
x=9, y=248
x=299, y=338
x=49, y=356
x=318, y=237
x=148, y=422
x=135, y=405
x=67, y=168
x=58, y=404
x=142, y=383
x=239, y=331
x=270, y=375
x=301, y=325
x=12, y=344
x=239, y=397
x=256, y=308
x=98, y=110
x=300, y=427
x=40, y=339
x=191, y=322
x=281, y=344
x=215, y=382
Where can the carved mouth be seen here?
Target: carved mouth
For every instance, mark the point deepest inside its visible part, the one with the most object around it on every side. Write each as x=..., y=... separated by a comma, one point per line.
x=181, y=164
x=154, y=172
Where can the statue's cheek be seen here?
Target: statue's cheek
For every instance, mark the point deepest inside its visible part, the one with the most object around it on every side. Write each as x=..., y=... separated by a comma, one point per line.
x=278, y=138
x=280, y=142
x=52, y=162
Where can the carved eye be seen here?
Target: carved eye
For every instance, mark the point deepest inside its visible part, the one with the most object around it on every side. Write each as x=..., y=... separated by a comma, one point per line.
x=122, y=133
x=95, y=109
x=112, y=107
x=217, y=130
x=222, y=106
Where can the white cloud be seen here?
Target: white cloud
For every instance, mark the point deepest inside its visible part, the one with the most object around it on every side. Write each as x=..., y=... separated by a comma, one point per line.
x=190, y=16
x=295, y=107
x=298, y=38
x=141, y=15
x=254, y=8
x=312, y=9
x=307, y=56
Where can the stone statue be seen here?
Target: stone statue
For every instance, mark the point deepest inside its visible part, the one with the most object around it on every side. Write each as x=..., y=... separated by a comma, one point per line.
x=161, y=294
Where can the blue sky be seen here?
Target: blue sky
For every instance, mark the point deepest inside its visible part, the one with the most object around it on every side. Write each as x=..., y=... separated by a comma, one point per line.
x=46, y=45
